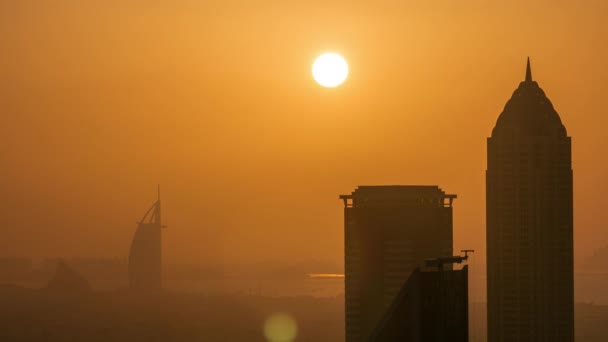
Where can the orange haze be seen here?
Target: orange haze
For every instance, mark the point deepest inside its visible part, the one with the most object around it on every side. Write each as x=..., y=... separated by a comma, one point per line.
x=102, y=100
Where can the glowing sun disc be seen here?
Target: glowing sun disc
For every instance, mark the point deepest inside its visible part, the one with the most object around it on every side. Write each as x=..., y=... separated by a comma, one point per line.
x=330, y=70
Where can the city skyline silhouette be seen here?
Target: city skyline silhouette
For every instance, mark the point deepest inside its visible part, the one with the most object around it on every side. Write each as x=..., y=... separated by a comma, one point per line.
x=254, y=116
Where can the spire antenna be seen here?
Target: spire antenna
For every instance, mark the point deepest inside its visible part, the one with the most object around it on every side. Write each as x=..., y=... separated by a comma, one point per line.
x=528, y=72
x=157, y=212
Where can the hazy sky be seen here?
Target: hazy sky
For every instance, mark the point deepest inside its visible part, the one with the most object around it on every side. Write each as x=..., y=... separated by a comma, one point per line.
x=102, y=100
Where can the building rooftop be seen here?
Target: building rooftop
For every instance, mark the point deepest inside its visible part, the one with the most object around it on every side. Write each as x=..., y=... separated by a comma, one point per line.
x=529, y=112
x=397, y=194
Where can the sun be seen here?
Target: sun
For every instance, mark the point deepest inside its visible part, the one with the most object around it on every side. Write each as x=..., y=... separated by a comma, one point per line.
x=330, y=70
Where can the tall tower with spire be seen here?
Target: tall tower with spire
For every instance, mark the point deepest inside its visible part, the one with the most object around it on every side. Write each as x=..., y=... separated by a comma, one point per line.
x=145, y=255
x=529, y=222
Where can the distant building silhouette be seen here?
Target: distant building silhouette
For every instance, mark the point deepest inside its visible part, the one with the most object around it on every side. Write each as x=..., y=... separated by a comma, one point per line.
x=67, y=281
x=529, y=222
x=101, y=269
x=388, y=232
x=430, y=307
x=145, y=258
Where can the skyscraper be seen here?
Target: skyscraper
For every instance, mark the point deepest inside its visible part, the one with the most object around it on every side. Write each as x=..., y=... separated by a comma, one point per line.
x=145, y=257
x=529, y=222
x=432, y=306
x=388, y=232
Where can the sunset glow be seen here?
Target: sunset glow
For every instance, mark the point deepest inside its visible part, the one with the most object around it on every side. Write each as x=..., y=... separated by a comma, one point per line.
x=248, y=170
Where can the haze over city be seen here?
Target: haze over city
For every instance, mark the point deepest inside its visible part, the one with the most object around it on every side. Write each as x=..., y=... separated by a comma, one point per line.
x=215, y=101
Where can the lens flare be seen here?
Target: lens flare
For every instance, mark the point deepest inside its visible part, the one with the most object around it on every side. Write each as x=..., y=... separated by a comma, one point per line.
x=280, y=327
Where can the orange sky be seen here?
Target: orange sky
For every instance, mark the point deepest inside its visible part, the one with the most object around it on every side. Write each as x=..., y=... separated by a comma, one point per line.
x=102, y=100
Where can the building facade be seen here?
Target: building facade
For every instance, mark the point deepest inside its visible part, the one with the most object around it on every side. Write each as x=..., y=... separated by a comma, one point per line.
x=388, y=232
x=529, y=222
x=432, y=306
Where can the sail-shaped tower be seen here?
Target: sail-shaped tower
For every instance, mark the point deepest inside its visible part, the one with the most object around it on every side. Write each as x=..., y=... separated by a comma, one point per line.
x=145, y=257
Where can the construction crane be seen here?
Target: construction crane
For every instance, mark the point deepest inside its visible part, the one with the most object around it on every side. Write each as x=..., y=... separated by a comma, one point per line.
x=439, y=262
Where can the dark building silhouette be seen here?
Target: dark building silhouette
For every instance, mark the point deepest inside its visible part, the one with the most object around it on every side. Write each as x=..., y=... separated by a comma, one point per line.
x=529, y=222
x=67, y=281
x=430, y=307
x=388, y=232
x=145, y=258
